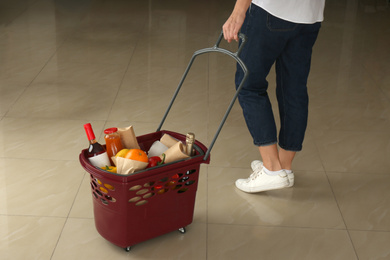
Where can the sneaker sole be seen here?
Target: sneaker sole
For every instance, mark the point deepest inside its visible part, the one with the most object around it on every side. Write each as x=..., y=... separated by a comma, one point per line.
x=264, y=188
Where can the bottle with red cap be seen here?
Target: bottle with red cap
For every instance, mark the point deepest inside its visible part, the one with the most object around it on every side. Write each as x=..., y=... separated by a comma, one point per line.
x=113, y=142
x=97, y=155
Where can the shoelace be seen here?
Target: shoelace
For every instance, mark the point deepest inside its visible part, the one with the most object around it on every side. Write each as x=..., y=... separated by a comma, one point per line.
x=258, y=166
x=255, y=174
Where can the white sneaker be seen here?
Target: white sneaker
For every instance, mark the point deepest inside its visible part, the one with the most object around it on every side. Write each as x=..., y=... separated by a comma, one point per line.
x=260, y=181
x=257, y=165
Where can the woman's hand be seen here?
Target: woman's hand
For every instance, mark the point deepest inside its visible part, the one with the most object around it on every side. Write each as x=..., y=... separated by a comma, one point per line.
x=233, y=24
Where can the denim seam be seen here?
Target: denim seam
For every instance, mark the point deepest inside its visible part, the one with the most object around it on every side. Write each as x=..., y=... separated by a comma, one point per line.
x=279, y=30
x=282, y=122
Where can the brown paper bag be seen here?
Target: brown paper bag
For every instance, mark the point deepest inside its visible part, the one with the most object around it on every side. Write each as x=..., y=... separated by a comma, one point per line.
x=127, y=166
x=168, y=140
x=128, y=138
x=175, y=153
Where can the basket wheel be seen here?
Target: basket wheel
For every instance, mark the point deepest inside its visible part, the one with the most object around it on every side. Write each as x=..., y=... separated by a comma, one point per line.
x=127, y=249
x=182, y=230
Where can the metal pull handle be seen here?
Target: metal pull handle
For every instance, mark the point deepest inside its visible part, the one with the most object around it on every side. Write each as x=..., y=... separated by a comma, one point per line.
x=240, y=35
x=215, y=48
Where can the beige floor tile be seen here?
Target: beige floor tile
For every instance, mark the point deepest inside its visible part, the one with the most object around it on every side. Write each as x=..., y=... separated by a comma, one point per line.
x=375, y=61
x=309, y=158
x=25, y=70
x=29, y=237
x=233, y=147
x=133, y=105
x=10, y=92
x=23, y=138
x=200, y=209
x=351, y=101
x=21, y=53
x=363, y=200
x=64, y=100
x=58, y=70
x=176, y=50
x=153, y=78
x=80, y=240
x=371, y=245
x=37, y=187
x=95, y=48
x=10, y=14
x=82, y=206
x=269, y=243
x=310, y=203
x=353, y=151
x=61, y=91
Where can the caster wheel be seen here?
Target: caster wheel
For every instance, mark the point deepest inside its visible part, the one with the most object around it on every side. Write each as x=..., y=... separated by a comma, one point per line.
x=182, y=230
x=127, y=249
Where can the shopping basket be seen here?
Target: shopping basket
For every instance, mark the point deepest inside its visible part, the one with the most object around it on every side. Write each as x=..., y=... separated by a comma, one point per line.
x=155, y=201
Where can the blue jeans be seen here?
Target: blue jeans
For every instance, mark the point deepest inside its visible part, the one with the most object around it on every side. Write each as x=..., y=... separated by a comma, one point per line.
x=288, y=45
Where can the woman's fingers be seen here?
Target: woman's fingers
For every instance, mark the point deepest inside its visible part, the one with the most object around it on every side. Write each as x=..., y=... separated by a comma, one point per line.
x=231, y=28
x=229, y=31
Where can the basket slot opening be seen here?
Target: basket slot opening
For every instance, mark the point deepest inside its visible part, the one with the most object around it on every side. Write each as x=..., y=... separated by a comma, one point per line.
x=134, y=199
x=136, y=187
x=190, y=172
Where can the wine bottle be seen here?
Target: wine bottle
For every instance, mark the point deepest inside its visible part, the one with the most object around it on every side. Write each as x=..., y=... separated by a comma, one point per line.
x=190, y=139
x=97, y=155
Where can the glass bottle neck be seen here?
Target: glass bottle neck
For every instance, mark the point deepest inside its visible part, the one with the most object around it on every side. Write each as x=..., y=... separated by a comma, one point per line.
x=93, y=141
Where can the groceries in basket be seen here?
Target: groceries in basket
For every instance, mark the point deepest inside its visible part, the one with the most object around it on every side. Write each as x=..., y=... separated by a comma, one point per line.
x=113, y=142
x=123, y=155
x=173, y=149
x=156, y=161
x=109, y=168
x=96, y=154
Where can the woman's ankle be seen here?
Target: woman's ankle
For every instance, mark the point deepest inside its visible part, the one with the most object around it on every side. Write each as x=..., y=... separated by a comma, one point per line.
x=270, y=156
x=286, y=158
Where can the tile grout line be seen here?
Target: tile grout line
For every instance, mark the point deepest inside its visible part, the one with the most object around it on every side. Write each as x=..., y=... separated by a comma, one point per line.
x=342, y=216
x=34, y=78
x=335, y=198
x=67, y=217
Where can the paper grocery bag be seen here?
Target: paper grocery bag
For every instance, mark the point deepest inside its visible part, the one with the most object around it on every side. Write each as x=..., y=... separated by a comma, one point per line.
x=175, y=153
x=168, y=140
x=128, y=138
x=127, y=166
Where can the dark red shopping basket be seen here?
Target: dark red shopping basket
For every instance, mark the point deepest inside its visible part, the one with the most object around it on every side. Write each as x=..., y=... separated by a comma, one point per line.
x=132, y=209
x=129, y=209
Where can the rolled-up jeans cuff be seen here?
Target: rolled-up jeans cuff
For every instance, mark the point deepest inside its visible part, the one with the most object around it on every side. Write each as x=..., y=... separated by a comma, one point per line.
x=291, y=149
x=265, y=144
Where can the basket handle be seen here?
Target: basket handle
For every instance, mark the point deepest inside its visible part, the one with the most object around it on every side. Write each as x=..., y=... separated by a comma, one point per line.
x=215, y=48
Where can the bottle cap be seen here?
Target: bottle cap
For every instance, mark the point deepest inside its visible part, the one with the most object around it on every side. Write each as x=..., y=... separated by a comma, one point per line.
x=110, y=130
x=190, y=138
x=89, y=131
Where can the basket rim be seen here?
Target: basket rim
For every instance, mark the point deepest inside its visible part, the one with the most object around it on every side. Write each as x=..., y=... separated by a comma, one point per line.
x=194, y=160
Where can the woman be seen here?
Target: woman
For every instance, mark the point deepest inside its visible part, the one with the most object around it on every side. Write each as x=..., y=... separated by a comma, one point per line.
x=281, y=32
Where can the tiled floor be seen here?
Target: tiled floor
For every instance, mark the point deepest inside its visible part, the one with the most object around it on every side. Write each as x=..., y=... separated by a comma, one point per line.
x=116, y=63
